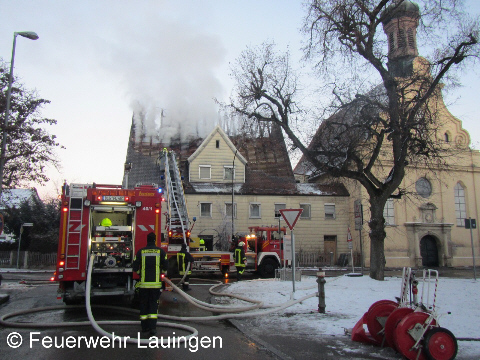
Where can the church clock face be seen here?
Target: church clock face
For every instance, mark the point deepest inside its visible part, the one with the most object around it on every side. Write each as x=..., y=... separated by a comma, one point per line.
x=423, y=187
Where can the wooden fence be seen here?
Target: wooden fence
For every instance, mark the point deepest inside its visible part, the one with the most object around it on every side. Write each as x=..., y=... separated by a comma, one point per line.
x=27, y=259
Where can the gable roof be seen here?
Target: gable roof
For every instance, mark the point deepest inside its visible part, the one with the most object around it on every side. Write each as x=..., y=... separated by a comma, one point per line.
x=224, y=136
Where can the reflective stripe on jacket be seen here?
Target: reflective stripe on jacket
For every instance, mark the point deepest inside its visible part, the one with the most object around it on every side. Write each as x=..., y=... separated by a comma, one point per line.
x=240, y=257
x=149, y=263
x=182, y=263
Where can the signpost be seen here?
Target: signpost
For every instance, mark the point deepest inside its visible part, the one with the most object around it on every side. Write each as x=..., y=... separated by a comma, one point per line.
x=358, y=210
x=350, y=246
x=472, y=224
x=291, y=217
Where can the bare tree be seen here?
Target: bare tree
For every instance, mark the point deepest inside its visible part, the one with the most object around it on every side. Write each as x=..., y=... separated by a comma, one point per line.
x=375, y=131
x=30, y=148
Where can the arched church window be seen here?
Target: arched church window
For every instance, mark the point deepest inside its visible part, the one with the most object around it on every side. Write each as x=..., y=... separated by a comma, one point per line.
x=460, y=205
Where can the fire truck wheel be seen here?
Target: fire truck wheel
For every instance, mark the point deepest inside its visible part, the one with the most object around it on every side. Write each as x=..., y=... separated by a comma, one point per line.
x=440, y=344
x=267, y=268
x=75, y=301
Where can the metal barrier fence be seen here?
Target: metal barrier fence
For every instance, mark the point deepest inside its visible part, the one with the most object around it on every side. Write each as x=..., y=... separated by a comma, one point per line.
x=286, y=274
x=317, y=259
x=27, y=259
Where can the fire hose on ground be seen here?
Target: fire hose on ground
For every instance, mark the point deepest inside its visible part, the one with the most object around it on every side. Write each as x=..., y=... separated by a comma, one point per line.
x=227, y=312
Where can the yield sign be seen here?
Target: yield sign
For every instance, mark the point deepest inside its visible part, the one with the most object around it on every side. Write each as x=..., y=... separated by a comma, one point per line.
x=291, y=216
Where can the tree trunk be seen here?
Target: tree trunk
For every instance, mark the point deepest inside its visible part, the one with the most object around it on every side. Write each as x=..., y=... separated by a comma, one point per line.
x=377, y=240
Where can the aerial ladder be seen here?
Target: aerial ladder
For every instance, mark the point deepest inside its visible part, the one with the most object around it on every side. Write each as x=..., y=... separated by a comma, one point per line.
x=177, y=215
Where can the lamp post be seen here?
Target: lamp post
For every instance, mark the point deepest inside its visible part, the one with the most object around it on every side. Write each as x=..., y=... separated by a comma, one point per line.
x=32, y=36
x=20, y=239
x=233, y=192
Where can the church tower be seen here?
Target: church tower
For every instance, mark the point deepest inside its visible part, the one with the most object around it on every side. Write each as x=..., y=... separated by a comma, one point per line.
x=400, y=22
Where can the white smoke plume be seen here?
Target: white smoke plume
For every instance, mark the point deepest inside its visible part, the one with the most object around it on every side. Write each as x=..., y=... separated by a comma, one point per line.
x=170, y=71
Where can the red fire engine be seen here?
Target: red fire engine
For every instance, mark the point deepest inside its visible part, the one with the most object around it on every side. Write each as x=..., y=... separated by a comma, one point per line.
x=110, y=222
x=264, y=249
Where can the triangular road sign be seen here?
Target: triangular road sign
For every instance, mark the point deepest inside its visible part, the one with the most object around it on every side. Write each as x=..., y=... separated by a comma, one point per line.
x=291, y=216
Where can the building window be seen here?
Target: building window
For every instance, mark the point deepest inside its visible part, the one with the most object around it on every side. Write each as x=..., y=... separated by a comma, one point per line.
x=460, y=205
x=423, y=187
x=277, y=209
x=217, y=144
x=228, y=173
x=329, y=211
x=205, y=172
x=255, y=211
x=228, y=210
x=388, y=213
x=306, y=211
x=447, y=137
x=206, y=209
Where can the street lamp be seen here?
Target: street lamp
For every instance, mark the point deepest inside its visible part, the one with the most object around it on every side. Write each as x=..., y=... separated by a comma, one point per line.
x=20, y=239
x=233, y=192
x=32, y=36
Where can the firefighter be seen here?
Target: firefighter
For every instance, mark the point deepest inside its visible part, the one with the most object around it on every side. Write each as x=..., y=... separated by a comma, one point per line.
x=240, y=259
x=183, y=259
x=202, y=245
x=148, y=263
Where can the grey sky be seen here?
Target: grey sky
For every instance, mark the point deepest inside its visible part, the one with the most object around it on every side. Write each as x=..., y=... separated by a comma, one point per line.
x=97, y=60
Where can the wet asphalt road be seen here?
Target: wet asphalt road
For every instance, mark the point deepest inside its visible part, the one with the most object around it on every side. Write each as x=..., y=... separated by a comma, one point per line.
x=241, y=339
x=40, y=343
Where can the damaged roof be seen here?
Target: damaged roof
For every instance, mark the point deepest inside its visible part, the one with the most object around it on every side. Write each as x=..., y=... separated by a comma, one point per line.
x=268, y=169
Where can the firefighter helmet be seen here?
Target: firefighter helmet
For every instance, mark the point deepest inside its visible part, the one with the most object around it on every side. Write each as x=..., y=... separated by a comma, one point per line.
x=202, y=242
x=106, y=222
x=241, y=243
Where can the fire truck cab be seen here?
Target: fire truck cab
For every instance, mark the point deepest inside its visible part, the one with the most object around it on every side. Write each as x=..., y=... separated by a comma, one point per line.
x=264, y=249
x=110, y=222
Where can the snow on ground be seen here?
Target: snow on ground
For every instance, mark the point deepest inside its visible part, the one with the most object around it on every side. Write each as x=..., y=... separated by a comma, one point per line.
x=348, y=298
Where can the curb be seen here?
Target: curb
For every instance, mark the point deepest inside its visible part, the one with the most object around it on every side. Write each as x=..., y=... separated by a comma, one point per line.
x=4, y=298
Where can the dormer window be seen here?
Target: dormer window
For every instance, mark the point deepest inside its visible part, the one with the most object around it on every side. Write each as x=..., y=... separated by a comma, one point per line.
x=217, y=144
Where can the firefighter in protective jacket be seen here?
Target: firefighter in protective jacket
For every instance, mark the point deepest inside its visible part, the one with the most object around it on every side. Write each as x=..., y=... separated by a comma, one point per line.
x=183, y=259
x=149, y=262
x=240, y=259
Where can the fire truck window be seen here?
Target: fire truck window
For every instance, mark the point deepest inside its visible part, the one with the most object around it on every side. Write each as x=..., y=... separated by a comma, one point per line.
x=76, y=203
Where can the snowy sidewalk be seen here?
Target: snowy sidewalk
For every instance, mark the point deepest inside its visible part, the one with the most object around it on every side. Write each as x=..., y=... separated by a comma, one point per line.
x=348, y=298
